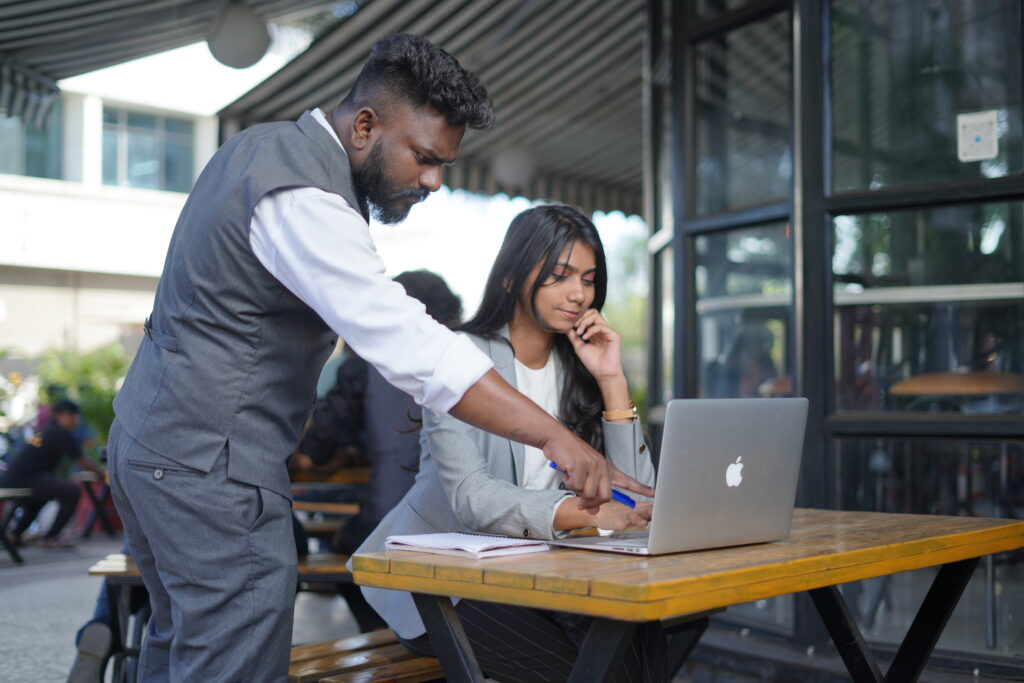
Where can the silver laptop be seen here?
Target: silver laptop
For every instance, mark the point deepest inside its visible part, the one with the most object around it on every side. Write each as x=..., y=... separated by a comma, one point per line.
x=727, y=476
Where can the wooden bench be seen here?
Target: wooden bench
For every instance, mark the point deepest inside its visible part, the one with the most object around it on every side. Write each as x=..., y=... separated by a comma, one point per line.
x=376, y=656
x=321, y=526
x=6, y=495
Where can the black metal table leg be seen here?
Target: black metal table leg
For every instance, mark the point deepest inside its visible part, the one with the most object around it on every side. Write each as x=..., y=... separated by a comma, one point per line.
x=931, y=619
x=448, y=638
x=845, y=634
x=117, y=640
x=681, y=641
x=10, y=548
x=97, y=510
x=602, y=650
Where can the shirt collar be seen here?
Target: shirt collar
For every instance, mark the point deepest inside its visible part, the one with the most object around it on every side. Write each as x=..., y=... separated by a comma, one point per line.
x=322, y=120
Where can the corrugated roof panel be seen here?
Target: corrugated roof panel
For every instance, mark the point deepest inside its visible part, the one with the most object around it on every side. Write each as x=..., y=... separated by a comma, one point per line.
x=565, y=77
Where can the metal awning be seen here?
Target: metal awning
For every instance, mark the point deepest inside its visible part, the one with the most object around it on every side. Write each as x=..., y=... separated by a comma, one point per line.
x=43, y=41
x=565, y=77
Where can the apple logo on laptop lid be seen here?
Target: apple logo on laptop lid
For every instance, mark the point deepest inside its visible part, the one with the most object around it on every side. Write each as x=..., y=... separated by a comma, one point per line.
x=734, y=473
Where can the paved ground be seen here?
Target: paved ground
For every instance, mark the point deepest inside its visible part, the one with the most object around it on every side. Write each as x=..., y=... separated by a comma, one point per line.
x=44, y=601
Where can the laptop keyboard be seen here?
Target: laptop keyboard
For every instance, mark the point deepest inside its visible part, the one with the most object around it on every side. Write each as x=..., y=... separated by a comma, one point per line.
x=633, y=539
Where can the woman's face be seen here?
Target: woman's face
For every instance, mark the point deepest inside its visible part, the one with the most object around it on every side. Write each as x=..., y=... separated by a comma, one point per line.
x=566, y=293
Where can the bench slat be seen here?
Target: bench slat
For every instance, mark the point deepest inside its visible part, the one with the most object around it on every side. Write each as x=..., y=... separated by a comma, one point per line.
x=314, y=670
x=409, y=671
x=363, y=641
x=328, y=508
x=310, y=567
x=15, y=493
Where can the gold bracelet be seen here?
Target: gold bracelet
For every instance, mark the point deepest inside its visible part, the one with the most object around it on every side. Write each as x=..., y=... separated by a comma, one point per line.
x=622, y=414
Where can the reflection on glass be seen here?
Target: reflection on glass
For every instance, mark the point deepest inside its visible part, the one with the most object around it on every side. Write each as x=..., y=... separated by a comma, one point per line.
x=143, y=168
x=110, y=160
x=921, y=477
x=929, y=309
x=178, y=167
x=668, y=323
x=743, y=116
x=901, y=74
x=744, y=292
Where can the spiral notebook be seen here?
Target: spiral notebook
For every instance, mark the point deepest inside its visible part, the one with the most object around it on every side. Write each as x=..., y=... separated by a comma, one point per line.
x=465, y=545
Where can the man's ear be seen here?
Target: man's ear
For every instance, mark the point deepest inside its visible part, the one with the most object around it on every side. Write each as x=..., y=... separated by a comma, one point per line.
x=365, y=125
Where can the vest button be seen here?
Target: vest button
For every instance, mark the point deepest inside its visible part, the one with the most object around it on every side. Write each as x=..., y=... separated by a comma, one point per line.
x=643, y=448
x=526, y=533
x=158, y=474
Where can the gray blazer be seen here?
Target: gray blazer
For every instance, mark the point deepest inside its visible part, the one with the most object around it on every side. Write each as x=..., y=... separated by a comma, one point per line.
x=472, y=486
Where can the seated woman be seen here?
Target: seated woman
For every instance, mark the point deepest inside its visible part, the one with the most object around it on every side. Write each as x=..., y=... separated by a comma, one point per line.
x=540, y=322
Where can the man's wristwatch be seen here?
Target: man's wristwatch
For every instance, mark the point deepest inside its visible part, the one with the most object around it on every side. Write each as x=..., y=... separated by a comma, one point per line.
x=623, y=414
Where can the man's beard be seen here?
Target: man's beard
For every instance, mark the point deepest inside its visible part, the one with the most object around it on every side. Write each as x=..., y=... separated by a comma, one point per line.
x=374, y=189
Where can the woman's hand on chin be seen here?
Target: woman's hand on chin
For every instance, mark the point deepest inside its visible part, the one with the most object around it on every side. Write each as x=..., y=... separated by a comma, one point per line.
x=598, y=346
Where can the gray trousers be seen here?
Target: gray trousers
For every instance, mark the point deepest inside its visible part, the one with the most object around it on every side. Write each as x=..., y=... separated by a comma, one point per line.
x=218, y=559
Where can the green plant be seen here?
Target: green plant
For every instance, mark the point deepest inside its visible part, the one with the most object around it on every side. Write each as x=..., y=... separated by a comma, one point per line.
x=89, y=378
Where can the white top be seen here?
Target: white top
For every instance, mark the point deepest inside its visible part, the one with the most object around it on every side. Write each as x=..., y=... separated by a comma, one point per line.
x=542, y=386
x=319, y=247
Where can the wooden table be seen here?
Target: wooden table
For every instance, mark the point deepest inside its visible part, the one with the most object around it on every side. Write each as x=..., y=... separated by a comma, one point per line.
x=824, y=549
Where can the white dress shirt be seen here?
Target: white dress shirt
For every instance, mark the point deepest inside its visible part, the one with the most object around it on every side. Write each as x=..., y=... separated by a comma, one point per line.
x=544, y=387
x=319, y=247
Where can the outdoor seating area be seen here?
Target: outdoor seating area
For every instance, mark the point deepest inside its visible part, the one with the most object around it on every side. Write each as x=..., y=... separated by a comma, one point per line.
x=670, y=341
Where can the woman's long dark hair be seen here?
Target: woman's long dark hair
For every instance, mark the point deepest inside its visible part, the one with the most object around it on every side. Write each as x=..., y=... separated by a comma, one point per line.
x=540, y=235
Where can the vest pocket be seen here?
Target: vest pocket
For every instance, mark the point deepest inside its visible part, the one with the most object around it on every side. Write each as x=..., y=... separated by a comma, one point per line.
x=162, y=339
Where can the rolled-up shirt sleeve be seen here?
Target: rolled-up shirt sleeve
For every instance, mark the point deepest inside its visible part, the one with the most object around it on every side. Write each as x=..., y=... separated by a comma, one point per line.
x=320, y=248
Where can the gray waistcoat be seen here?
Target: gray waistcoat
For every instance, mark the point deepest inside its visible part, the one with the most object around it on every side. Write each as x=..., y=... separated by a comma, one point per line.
x=231, y=357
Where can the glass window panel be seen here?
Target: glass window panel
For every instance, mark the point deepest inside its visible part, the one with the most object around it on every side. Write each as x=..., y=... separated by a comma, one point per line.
x=713, y=7
x=140, y=120
x=182, y=126
x=743, y=117
x=12, y=145
x=744, y=282
x=110, y=156
x=668, y=323
x=143, y=168
x=44, y=145
x=178, y=167
x=773, y=612
x=901, y=73
x=929, y=305
x=982, y=478
x=111, y=115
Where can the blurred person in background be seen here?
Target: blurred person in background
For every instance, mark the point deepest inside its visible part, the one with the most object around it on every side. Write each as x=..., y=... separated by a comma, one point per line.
x=37, y=465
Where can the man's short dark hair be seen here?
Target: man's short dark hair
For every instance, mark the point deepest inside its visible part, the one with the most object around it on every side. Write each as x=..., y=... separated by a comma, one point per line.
x=66, y=406
x=411, y=68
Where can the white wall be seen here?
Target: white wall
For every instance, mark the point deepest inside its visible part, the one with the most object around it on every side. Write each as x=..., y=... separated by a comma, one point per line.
x=58, y=224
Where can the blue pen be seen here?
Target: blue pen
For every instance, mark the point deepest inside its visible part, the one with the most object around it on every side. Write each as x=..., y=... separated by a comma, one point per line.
x=620, y=497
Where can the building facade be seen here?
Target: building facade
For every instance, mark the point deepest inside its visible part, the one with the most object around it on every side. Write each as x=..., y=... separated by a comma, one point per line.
x=836, y=201
x=90, y=191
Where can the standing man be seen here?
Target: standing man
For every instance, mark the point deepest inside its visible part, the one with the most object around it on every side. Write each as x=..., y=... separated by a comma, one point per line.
x=270, y=260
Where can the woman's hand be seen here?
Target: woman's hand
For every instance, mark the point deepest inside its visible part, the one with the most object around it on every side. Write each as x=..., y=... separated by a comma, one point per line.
x=611, y=515
x=616, y=516
x=598, y=346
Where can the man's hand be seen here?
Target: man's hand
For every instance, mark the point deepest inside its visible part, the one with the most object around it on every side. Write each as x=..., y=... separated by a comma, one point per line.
x=587, y=472
x=494, y=406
